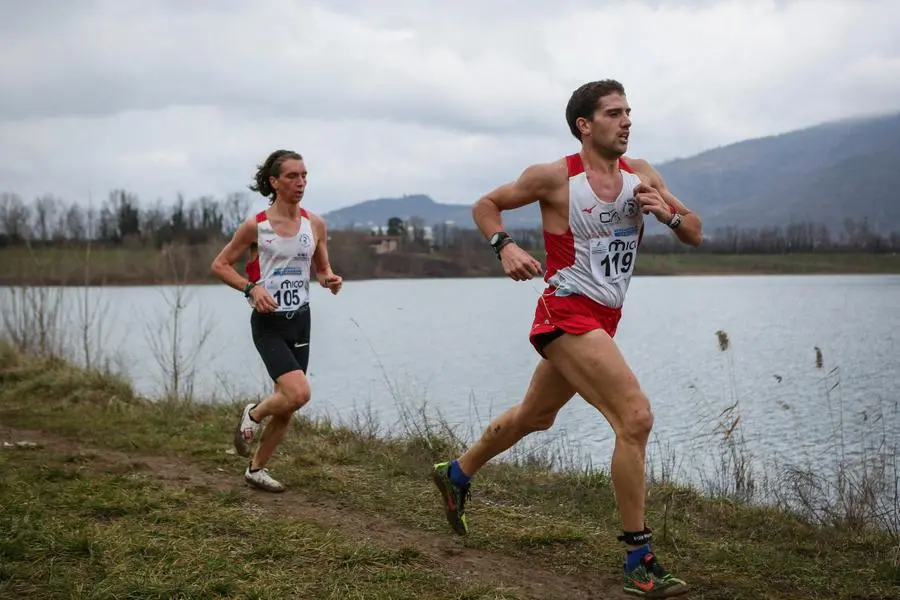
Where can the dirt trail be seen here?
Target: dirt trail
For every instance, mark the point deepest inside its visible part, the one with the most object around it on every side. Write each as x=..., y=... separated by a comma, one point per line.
x=445, y=552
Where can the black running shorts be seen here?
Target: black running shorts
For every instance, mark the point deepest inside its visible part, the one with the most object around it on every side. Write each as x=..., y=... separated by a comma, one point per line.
x=282, y=340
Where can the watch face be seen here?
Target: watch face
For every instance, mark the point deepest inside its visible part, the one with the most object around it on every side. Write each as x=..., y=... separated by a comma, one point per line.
x=494, y=239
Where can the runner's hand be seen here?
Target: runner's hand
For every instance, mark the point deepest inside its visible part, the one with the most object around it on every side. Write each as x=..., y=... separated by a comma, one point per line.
x=652, y=203
x=332, y=282
x=262, y=300
x=518, y=264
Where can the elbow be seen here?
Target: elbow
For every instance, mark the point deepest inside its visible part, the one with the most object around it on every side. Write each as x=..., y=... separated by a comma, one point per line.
x=215, y=268
x=483, y=206
x=696, y=237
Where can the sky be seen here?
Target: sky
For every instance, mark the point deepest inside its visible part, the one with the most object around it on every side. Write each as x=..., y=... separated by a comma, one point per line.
x=398, y=97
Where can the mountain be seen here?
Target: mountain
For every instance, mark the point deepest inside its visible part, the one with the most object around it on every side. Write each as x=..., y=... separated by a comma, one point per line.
x=826, y=174
x=377, y=212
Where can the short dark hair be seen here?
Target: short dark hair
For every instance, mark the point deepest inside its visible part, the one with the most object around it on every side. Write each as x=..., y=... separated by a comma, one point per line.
x=271, y=168
x=585, y=99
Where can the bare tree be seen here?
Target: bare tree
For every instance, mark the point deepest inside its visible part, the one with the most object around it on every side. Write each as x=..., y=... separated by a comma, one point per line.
x=45, y=210
x=176, y=338
x=14, y=216
x=236, y=210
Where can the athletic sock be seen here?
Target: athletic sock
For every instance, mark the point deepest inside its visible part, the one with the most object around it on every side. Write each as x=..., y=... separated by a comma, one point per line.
x=457, y=476
x=252, y=470
x=633, y=557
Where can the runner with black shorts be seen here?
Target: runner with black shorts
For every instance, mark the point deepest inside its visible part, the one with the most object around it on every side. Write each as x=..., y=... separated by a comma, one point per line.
x=284, y=240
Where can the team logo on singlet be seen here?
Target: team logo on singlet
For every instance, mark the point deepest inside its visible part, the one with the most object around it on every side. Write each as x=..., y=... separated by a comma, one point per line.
x=606, y=217
x=305, y=239
x=630, y=208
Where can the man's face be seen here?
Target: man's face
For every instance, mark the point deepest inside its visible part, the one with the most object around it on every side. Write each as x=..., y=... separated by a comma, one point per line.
x=291, y=184
x=611, y=124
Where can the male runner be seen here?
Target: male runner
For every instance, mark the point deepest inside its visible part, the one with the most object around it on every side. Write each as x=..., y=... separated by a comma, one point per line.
x=592, y=207
x=287, y=239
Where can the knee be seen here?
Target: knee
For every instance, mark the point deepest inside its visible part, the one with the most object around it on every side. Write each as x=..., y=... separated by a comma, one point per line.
x=527, y=422
x=637, y=420
x=297, y=395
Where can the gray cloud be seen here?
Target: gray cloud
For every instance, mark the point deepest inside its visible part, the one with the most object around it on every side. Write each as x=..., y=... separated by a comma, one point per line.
x=412, y=97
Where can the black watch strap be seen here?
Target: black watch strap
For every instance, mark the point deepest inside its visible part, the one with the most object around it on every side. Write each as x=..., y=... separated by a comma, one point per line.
x=499, y=240
x=250, y=285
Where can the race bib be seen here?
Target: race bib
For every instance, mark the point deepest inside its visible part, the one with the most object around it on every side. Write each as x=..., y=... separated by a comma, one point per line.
x=288, y=289
x=612, y=258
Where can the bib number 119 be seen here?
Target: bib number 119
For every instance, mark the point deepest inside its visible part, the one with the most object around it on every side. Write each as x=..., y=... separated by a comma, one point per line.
x=617, y=263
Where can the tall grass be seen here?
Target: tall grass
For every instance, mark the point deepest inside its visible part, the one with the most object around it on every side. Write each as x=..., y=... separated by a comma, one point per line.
x=31, y=315
x=856, y=483
x=858, y=487
x=176, y=355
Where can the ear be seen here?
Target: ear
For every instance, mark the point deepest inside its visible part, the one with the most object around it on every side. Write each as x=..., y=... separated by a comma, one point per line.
x=583, y=125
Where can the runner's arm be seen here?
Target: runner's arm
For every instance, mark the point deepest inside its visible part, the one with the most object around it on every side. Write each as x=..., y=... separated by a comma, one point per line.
x=320, y=254
x=534, y=184
x=691, y=229
x=222, y=265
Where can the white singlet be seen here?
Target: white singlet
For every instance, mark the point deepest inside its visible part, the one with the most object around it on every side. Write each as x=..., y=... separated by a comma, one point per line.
x=596, y=256
x=283, y=263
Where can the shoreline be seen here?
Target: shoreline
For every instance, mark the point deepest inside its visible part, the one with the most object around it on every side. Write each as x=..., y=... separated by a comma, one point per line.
x=153, y=479
x=146, y=267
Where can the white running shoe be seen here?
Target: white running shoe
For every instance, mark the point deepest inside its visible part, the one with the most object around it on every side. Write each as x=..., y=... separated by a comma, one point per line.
x=245, y=431
x=262, y=480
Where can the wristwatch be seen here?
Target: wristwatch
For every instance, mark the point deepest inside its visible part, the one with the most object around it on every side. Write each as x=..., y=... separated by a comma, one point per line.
x=499, y=240
x=250, y=285
x=675, y=222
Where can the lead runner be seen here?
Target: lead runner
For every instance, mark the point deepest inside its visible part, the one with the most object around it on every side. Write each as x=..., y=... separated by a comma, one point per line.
x=592, y=206
x=287, y=239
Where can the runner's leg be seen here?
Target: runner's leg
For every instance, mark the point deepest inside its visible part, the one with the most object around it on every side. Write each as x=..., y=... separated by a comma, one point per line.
x=595, y=367
x=284, y=351
x=547, y=393
x=598, y=371
x=274, y=337
x=295, y=387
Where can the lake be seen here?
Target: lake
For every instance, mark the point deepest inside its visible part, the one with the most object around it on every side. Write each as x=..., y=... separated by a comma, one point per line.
x=459, y=346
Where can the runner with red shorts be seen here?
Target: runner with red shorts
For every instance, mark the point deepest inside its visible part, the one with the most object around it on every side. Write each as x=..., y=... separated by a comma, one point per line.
x=592, y=206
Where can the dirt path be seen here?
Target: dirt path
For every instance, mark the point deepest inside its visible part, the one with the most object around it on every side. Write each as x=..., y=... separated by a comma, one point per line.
x=445, y=552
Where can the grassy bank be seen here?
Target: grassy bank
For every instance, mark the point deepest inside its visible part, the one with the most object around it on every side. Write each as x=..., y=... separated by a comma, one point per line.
x=123, y=497
x=121, y=265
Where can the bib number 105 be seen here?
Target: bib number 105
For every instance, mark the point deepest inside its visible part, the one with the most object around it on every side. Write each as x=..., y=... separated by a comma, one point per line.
x=288, y=294
x=288, y=298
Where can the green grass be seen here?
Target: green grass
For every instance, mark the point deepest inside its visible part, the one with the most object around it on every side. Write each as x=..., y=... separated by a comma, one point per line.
x=766, y=264
x=123, y=265
x=79, y=530
x=82, y=528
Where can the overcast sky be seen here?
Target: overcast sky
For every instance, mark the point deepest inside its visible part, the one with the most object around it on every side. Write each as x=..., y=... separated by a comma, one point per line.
x=395, y=97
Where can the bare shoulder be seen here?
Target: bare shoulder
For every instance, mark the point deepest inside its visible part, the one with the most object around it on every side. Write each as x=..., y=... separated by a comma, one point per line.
x=546, y=176
x=644, y=170
x=316, y=221
x=246, y=231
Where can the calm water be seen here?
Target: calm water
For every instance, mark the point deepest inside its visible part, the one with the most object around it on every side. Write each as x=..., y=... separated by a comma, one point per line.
x=460, y=346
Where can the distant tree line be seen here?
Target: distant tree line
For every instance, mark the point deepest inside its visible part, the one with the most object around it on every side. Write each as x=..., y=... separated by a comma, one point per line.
x=120, y=219
x=805, y=237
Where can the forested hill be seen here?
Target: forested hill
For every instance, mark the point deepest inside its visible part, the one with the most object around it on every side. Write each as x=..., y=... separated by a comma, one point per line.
x=825, y=174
